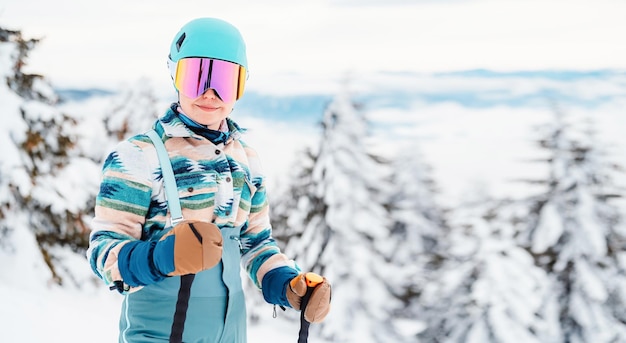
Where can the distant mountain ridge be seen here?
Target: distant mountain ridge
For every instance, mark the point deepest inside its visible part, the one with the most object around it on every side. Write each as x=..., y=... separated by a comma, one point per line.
x=477, y=88
x=80, y=94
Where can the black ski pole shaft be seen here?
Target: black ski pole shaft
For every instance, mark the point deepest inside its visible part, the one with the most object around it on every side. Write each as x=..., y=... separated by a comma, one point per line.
x=312, y=280
x=303, y=335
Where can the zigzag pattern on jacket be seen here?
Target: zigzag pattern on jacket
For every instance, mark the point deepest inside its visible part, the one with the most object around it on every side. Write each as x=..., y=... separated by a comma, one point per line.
x=219, y=183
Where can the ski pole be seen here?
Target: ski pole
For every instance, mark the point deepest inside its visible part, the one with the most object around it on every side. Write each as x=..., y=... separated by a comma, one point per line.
x=312, y=280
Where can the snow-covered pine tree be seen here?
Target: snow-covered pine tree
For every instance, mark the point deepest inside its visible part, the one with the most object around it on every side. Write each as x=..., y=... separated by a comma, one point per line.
x=46, y=185
x=297, y=189
x=338, y=226
x=418, y=224
x=106, y=119
x=577, y=235
x=488, y=288
x=284, y=205
x=133, y=111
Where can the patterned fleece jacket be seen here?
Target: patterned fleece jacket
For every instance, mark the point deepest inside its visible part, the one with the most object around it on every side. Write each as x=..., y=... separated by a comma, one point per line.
x=220, y=183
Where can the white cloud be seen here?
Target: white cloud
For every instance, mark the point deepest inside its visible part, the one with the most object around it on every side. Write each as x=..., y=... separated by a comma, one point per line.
x=87, y=42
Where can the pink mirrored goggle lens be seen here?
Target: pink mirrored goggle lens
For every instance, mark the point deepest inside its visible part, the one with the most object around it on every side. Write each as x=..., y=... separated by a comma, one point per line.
x=196, y=75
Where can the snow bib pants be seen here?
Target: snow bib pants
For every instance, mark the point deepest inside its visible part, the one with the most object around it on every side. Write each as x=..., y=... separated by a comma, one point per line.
x=216, y=309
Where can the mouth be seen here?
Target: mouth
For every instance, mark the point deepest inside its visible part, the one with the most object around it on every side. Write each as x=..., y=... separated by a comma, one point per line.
x=208, y=108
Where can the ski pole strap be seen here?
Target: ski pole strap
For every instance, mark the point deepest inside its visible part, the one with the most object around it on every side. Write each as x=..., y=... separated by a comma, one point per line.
x=312, y=280
x=171, y=190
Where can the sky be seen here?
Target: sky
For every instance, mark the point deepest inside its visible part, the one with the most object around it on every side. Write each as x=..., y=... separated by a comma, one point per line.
x=100, y=43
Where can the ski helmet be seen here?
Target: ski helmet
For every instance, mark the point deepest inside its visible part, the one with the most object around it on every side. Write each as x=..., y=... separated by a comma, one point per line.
x=209, y=53
x=209, y=37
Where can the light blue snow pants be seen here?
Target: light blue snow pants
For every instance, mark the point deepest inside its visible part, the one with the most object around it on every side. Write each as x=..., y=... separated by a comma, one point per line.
x=216, y=310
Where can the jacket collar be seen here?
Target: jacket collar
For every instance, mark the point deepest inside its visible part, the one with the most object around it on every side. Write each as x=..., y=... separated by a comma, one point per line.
x=172, y=126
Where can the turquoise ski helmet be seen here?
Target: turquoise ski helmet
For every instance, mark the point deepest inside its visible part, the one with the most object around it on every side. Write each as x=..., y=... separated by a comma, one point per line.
x=214, y=39
x=209, y=37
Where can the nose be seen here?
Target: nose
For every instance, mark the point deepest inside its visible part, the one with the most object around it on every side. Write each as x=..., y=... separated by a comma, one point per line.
x=210, y=93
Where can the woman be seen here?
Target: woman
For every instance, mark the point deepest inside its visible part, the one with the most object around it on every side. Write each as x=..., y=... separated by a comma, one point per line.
x=178, y=269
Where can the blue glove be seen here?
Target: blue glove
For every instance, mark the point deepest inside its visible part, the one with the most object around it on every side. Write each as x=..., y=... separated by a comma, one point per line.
x=188, y=248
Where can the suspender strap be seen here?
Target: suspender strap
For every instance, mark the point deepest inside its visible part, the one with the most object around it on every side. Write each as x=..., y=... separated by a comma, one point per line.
x=178, y=324
x=173, y=202
x=171, y=190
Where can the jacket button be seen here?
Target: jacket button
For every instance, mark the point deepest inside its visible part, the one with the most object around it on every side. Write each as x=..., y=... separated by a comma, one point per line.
x=228, y=179
x=190, y=189
x=217, y=152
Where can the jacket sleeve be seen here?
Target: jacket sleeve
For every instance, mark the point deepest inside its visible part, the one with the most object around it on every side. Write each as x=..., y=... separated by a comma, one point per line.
x=121, y=207
x=268, y=268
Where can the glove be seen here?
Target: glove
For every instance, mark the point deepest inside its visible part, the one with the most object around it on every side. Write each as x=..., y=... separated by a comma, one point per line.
x=188, y=248
x=319, y=303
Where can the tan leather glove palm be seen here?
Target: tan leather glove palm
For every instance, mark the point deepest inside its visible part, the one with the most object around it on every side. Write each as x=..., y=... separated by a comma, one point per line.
x=197, y=246
x=319, y=302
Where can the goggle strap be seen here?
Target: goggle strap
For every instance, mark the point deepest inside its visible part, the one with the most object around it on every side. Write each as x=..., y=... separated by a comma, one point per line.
x=171, y=65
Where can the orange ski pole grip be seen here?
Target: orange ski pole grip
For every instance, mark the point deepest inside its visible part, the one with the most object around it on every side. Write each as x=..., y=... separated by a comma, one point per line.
x=313, y=279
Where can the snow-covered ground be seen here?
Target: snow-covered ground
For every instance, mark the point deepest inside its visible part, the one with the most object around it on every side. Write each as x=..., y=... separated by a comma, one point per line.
x=62, y=316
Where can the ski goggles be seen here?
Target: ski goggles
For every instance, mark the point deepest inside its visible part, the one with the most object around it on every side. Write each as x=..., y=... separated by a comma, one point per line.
x=193, y=76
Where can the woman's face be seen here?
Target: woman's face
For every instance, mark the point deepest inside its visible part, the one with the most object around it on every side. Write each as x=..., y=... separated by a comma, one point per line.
x=207, y=109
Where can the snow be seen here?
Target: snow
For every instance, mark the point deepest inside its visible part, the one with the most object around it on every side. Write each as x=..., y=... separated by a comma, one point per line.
x=487, y=156
x=54, y=315
x=477, y=147
x=550, y=229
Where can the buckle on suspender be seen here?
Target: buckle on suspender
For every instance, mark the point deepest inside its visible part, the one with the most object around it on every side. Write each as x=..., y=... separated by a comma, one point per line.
x=176, y=221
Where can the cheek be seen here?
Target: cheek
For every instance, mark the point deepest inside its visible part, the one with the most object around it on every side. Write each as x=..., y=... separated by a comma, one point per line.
x=185, y=103
x=185, y=107
x=229, y=106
